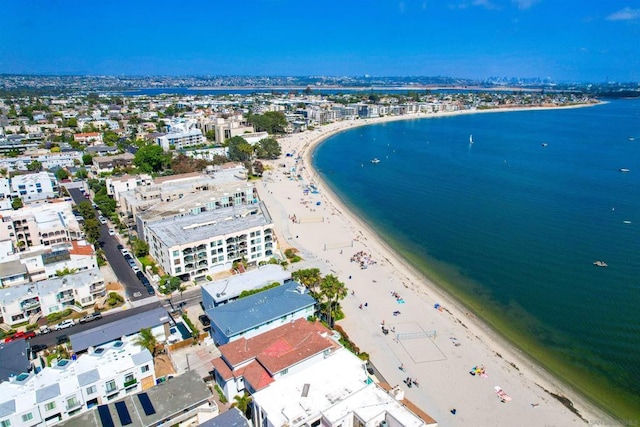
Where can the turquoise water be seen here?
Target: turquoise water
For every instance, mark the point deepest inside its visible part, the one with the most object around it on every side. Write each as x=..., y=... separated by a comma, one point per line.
x=512, y=227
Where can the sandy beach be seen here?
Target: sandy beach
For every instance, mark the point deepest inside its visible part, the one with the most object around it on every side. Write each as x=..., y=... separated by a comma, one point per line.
x=435, y=340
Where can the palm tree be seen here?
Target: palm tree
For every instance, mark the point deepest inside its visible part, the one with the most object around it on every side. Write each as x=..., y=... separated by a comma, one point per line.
x=310, y=278
x=147, y=340
x=332, y=290
x=243, y=403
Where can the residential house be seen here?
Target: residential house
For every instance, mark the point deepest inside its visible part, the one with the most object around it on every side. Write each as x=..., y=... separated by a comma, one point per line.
x=252, y=364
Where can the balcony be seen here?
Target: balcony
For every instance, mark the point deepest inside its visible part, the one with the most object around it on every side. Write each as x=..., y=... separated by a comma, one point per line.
x=31, y=303
x=203, y=263
x=187, y=251
x=202, y=254
x=64, y=297
x=130, y=382
x=189, y=258
x=96, y=287
x=201, y=248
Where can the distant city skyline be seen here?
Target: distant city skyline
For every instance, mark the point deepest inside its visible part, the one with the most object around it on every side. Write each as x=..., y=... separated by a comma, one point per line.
x=565, y=41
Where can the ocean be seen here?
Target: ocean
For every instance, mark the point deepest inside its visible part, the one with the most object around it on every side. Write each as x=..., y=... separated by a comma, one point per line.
x=512, y=224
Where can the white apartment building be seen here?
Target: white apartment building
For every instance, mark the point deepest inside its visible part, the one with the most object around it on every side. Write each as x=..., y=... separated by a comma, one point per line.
x=43, y=262
x=35, y=186
x=72, y=387
x=182, y=134
x=195, y=246
x=42, y=224
x=333, y=392
x=117, y=185
x=49, y=160
x=27, y=302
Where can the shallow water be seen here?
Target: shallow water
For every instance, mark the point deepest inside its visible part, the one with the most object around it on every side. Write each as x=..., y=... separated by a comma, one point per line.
x=512, y=226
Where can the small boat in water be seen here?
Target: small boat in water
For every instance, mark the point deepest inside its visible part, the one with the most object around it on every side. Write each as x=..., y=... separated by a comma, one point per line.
x=470, y=139
x=600, y=263
x=624, y=170
x=375, y=160
x=544, y=144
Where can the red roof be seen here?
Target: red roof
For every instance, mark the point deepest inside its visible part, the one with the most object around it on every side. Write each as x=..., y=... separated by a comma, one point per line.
x=81, y=249
x=282, y=347
x=222, y=368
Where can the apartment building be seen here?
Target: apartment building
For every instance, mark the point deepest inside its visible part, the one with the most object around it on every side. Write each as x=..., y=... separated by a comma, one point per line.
x=27, y=302
x=42, y=224
x=47, y=159
x=72, y=387
x=198, y=245
x=34, y=186
x=335, y=392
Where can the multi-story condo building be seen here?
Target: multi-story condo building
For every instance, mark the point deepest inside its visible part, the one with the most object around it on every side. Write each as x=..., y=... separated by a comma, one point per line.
x=43, y=224
x=182, y=134
x=72, y=387
x=45, y=262
x=119, y=184
x=198, y=245
x=224, y=129
x=34, y=186
x=47, y=159
x=223, y=196
x=27, y=302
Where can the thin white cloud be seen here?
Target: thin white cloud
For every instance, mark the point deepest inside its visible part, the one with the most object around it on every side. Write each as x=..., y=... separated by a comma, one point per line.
x=487, y=4
x=524, y=4
x=626, y=14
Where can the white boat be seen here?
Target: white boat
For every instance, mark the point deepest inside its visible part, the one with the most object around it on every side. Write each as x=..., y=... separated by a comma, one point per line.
x=624, y=170
x=375, y=160
x=544, y=144
x=600, y=264
x=470, y=139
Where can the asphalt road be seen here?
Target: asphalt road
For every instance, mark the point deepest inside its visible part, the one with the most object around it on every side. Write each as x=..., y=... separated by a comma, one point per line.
x=50, y=338
x=134, y=289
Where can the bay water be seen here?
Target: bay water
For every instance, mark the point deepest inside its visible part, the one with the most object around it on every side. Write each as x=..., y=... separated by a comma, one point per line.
x=512, y=224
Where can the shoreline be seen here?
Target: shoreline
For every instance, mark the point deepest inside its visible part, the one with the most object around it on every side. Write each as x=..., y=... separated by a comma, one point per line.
x=455, y=320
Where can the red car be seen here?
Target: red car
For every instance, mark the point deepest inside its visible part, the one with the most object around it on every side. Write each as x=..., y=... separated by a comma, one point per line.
x=20, y=335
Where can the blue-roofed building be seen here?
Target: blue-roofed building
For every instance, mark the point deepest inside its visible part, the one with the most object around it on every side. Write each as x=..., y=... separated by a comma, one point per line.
x=261, y=312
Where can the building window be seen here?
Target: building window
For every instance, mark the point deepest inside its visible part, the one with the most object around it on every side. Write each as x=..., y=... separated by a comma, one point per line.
x=176, y=253
x=50, y=406
x=72, y=402
x=110, y=386
x=145, y=368
x=27, y=417
x=91, y=390
x=5, y=423
x=284, y=371
x=178, y=269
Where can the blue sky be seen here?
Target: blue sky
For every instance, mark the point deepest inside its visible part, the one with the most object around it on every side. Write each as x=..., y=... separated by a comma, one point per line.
x=565, y=40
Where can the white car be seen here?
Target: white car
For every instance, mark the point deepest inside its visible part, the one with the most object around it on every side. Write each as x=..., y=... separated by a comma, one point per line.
x=64, y=324
x=112, y=232
x=102, y=219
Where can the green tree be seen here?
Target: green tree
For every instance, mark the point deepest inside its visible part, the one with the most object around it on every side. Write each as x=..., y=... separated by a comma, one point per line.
x=151, y=158
x=146, y=339
x=110, y=138
x=81, y=173
x=310, y=278
x=66, y=271
x=16, y=203
x=62, y=174
x=34, y=166
x=243, y=403
x=272, y=122
x=86, y=210
x=332, y=291
x=239, y=149
x=4, y=172
x=72, y=122
x=268, y=148
x=92, y=229
x=87, y=158
x=210, y=135
x=140, y=248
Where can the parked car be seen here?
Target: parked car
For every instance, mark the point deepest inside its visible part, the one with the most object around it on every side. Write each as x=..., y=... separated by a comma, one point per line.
x=140, y=275
x=127, y=256
x=131, y=262
x=61, y=339
x=102, y=219
x=44, y=330
x=150, y=290
x=135, y=268
x=91, y=317
x=204, y=319
x=64, y=324
x=120, y=247
x=145, y=281
x=36, y=348
x=112, y=232
x=20, y=335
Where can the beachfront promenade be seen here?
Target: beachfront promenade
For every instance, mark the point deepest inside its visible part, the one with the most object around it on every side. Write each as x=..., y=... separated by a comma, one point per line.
x=435, y=341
